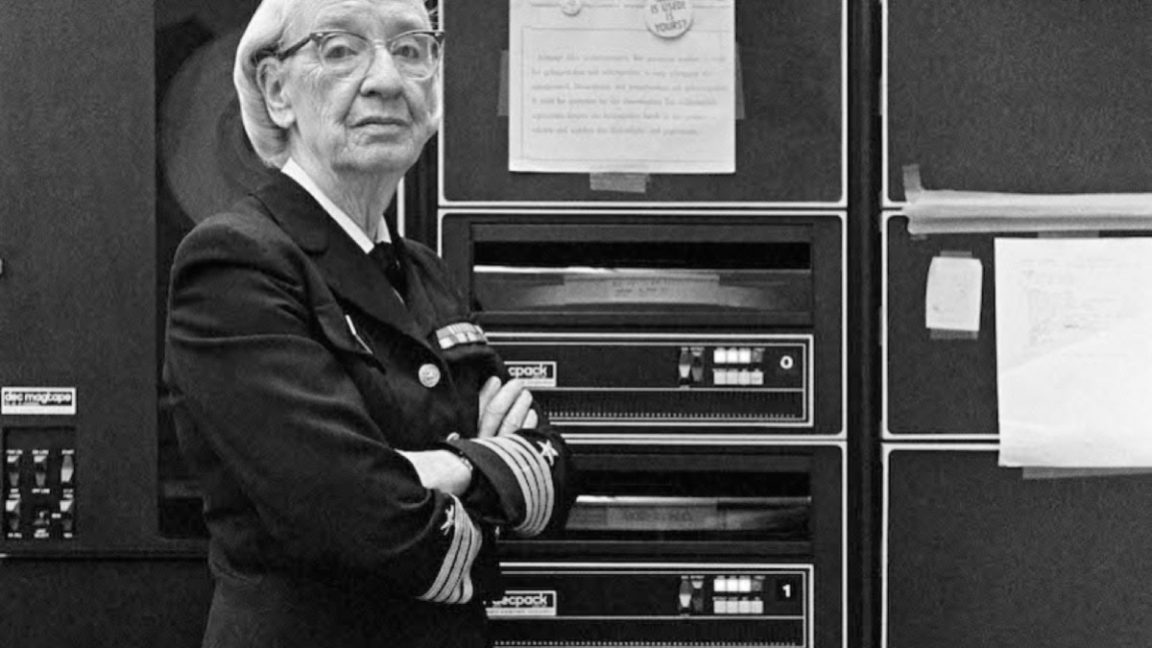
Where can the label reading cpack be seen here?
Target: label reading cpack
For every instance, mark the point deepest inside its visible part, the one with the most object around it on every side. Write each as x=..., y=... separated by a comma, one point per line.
x=534, y=374
x=517, y=603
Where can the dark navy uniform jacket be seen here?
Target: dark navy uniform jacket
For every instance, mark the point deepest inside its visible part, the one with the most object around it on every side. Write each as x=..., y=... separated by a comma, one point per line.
x=295, y=372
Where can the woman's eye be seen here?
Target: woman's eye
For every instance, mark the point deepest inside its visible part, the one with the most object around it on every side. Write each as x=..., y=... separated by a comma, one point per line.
x=338, y=52
x=408, y=51
x=341, y=48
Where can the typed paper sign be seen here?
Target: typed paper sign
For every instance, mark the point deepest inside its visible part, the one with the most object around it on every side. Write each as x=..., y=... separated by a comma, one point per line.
x=622, y=86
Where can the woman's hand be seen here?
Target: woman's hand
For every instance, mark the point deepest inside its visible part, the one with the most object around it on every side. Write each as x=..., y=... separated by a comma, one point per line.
x=441, y=470
x=504, y=408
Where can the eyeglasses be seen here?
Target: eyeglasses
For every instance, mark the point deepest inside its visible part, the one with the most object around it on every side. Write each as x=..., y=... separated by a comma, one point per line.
x=416, y=54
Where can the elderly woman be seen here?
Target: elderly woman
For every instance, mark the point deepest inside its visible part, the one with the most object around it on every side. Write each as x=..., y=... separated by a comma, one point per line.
x=359, y=445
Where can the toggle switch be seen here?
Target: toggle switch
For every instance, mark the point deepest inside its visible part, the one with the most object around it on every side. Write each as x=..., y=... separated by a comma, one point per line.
x=685, y=594
x=41, y=519
x=684, y=366
x=67, y=515
x=40, y=470
x=698, y=594
x=67, y=469
x=12, y=469
x=12, y=515
x=697, y=369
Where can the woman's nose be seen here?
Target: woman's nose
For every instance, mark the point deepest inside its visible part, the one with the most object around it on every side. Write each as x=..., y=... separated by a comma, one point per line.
x=382, y=74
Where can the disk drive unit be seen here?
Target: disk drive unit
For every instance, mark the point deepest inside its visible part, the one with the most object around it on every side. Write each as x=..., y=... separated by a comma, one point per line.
x=670, y=327
x=740, y=548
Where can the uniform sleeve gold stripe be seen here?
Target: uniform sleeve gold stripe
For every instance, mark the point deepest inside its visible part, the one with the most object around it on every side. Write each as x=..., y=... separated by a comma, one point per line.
x=453, y=583
x=539, y=483
x=544, y=475
x=535, y=478
x=464, y=590
x=445, y=575
x=535, y=523
x=520, y=469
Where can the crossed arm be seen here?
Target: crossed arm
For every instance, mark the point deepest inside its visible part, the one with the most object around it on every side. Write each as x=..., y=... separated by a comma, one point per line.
x=504, y=408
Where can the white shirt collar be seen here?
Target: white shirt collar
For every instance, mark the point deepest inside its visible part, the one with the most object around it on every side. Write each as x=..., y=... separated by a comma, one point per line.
x=297, y=173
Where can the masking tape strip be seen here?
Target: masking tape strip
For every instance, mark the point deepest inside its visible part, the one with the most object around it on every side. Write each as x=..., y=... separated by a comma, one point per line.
x=621, y=182
x=947, y=211
x=1041, y=472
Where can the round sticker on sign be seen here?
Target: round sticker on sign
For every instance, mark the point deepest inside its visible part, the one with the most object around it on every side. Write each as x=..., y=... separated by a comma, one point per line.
x=668, y=18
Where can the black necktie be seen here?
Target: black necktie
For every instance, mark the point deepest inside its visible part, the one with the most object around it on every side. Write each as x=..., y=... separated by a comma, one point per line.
x=385, y=258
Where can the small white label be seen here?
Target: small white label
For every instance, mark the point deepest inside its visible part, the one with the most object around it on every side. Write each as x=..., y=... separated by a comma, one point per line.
x=952, y=297
x=533, y=374
x=38, y=401
x=521, y=603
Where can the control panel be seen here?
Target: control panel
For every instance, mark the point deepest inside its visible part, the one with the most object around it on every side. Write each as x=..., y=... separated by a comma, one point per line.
x=741, y=594
x=677, y=379
x=573, y=604
x=779, y=365
x=39, y=481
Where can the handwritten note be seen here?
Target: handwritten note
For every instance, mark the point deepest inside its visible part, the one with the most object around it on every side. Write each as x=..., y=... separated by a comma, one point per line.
x=1074, y=352
x=598, y=92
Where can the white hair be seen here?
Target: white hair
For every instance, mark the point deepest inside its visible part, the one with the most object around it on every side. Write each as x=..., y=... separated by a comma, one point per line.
x=264, y=34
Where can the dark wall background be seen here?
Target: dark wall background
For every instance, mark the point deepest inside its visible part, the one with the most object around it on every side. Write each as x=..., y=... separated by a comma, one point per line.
x=77, y=202
x=76, y=213
x=1020, y=96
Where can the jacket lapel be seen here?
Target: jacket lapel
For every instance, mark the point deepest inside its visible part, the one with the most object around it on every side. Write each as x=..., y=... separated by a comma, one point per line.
x=348, y=271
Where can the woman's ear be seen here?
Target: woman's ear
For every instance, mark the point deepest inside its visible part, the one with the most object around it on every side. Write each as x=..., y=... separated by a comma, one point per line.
x=271, y=77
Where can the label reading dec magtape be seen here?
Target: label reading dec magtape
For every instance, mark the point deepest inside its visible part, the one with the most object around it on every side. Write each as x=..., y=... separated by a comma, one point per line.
x=38, y=401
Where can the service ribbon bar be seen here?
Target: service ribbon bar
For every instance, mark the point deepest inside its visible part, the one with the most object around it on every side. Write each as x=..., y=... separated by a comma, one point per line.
x=460, y=333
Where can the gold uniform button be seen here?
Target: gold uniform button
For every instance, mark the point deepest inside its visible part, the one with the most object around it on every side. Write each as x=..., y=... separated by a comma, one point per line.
x=429, y=375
